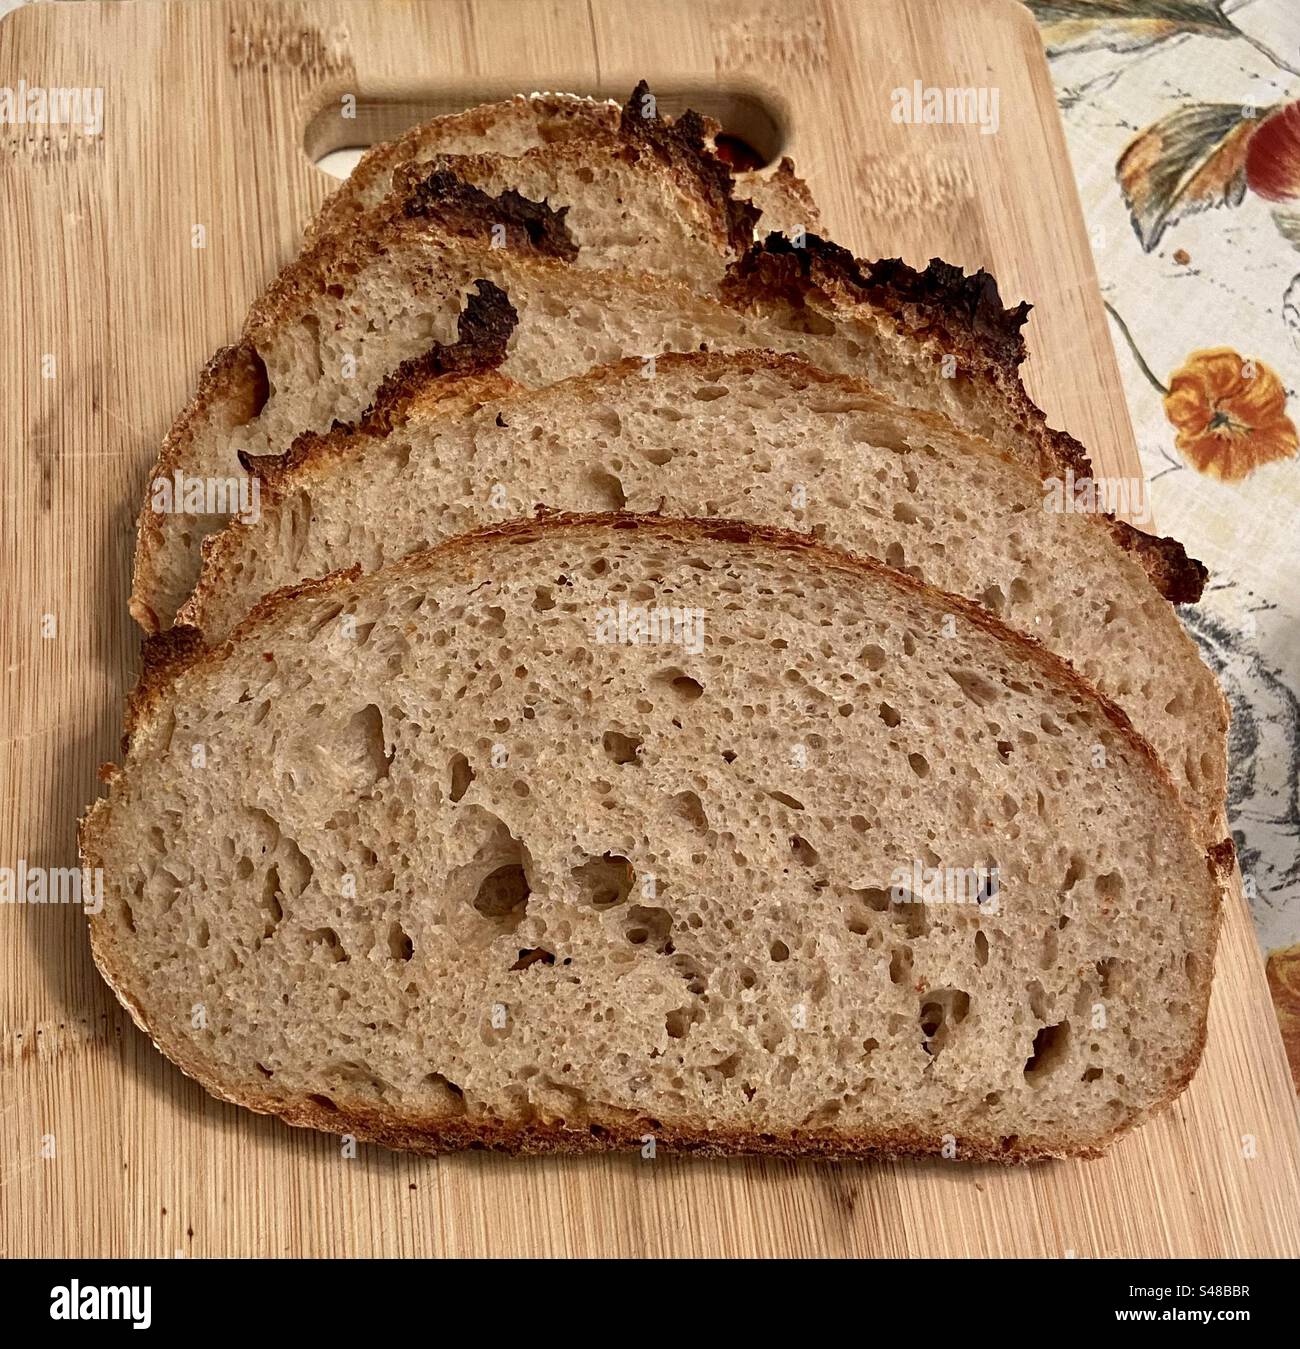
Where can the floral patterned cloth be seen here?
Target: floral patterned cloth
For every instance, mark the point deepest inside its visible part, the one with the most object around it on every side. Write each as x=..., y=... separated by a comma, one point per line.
x=1183, y=121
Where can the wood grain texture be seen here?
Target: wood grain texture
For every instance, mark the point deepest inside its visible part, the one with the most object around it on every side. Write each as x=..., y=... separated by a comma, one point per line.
x=206, y=108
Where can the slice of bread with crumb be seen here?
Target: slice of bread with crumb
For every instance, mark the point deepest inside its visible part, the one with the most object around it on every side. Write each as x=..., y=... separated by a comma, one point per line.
x=582, y=831
x=750, y=436
x=527, y=123
x=352, y=309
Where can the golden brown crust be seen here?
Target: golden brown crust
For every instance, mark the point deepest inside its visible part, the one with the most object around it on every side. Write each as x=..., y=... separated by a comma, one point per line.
x=163, y=656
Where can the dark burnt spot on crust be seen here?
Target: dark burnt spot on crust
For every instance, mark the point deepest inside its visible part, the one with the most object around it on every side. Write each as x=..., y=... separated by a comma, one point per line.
x=947, y=289
x=1222, y=857
x=442, y=196
x=682, y=145
x=1179, y=578
x=942, y=299
x=483, y=333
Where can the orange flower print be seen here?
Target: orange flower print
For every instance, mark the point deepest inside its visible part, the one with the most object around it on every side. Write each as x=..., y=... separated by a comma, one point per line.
x=1230, y=414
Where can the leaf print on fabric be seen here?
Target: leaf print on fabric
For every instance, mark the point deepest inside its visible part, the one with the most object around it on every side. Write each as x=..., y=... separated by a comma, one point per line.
x=1190, y=160
x=1291, y=310
x=1122, y=25
x=1128, y=25
x=1230, y=414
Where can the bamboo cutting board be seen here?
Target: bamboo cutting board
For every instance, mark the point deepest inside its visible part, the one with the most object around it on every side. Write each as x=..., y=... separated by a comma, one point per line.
x=212, y=115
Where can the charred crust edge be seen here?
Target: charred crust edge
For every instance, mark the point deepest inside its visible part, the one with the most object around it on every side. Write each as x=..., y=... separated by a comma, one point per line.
x=441, y=195
x=1179, y=578
x=682, y=144
x=483, y=333
x=942, y=297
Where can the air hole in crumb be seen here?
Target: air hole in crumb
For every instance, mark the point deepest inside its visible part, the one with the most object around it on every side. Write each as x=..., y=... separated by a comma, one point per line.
x=608, y=490
x=1051, y=1046
x=327, y=940
x=271, y=893
x=461, y=776
x=900, y=965
x=942, y=1009
x=682, y=685
x=980, y=690
x=689, y=807
x=649, y=927
x=1110, y=886
x=535, y=955
x=621, y=748
x=448, y=1096
x=779, y=951
x=400, y=945
x=604, y=882
x=503, y=892
x=804, y=852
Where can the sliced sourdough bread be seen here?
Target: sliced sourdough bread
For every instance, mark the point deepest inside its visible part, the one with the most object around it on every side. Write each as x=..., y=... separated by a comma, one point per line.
x=586, y=829
x=752, y=436
x=348, y=312
x=518, y=125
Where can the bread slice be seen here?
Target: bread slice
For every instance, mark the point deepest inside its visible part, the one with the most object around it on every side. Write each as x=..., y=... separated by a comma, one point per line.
x=581, y=831
x=348, y=312
x=519, y=125
x=751, y=436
